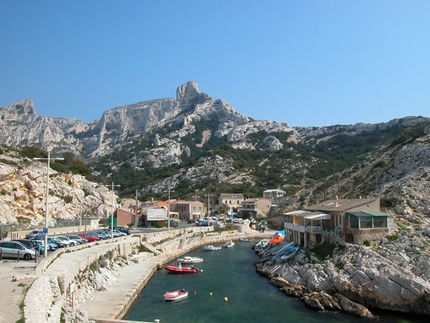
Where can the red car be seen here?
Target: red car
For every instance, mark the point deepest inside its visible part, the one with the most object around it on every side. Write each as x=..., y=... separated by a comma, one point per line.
x=89, y=238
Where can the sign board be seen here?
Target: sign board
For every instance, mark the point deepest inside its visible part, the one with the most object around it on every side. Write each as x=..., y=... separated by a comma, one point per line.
x=156, y=214
x=45, y=230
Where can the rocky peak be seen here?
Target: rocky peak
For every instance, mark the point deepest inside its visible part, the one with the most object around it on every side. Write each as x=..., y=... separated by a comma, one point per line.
x=18, y=110
x=187, y=92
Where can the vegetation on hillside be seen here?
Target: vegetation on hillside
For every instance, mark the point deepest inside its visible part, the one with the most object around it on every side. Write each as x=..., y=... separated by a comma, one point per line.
x=315, y=164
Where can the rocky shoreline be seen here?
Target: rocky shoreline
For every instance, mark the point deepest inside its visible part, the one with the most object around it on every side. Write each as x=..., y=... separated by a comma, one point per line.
x=355, y=279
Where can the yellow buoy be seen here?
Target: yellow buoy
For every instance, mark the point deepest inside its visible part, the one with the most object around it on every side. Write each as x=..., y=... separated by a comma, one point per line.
x=210, y=293
x=225, y=299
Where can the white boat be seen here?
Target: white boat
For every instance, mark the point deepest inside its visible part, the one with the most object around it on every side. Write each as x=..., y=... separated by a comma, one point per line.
x=229, y=244
x=212, y=248
x=262, y=244
x=190, y=260
x=175, y=295
x=245, y=239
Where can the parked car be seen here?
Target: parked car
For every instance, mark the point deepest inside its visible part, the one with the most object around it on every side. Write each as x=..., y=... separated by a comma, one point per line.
x=122, y=229
x=101, y=234
x=52, y=246
x=118, y=233
x=14, y=249
x=60, y=242
x=34, y=233
x=54, y=243
x=77, y=238
x=69, y=242
x=89, y=237
x=27, y=243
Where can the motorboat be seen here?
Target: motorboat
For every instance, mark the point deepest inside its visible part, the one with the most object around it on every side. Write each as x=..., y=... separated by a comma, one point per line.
x=181, y=270
x=212, y=248
x=190, y=260
x=229, y=244
x=175, y=295
x=245, y=240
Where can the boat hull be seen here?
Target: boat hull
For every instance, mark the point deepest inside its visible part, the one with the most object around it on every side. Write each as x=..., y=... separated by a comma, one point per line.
x=181, y=270
x=175, y=295
x=212, y=248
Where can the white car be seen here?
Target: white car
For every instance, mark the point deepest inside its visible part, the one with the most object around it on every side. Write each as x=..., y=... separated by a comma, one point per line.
x=68, y=242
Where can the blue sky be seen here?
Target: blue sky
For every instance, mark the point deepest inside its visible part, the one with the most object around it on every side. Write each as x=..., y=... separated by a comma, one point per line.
x=306, y=63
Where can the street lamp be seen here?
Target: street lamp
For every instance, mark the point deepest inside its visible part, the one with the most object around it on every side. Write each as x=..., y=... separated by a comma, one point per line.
x=113, y=208
x=47, y=194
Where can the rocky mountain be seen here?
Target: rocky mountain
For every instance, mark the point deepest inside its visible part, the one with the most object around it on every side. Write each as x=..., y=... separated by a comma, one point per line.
x=196, y=145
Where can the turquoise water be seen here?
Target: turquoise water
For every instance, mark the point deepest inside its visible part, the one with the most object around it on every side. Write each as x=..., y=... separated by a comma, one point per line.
x=250, y=297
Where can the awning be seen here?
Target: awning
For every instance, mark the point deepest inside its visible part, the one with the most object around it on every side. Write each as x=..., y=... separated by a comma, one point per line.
x=321, y=216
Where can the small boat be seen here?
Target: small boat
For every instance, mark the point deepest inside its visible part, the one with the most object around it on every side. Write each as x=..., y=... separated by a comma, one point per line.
x=181, y=270
x=229, y=244
x=245, y=240
x=175, y=295
x=290, y=254
x=190, y=260
x=212, y=248
x=261, y=244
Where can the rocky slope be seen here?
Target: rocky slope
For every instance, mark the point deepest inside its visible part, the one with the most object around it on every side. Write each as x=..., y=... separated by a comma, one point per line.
x=23, y=194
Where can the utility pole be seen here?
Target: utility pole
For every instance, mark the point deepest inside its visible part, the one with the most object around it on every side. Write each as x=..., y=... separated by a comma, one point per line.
x=113, y=210
x=45, y=229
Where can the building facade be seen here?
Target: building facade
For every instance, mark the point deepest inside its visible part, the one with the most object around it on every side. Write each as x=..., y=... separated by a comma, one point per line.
x=231, y=202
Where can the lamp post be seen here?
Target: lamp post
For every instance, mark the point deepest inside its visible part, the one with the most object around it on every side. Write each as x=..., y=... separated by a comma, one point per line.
x=47, y=194
x=113, y=208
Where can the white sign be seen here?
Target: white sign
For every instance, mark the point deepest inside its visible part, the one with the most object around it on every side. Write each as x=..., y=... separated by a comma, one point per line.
x=156, y=214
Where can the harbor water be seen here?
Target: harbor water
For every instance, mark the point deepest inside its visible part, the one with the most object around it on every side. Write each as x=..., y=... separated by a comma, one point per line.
x=228, y=289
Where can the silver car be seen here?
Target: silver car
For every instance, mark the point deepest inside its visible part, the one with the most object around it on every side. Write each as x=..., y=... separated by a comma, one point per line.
x=14, y=249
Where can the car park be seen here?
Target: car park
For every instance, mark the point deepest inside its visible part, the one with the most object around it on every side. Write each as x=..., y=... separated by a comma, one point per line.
x=14, y=249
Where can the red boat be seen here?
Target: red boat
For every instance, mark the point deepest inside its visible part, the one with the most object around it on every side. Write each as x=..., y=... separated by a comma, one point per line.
x=181, y=270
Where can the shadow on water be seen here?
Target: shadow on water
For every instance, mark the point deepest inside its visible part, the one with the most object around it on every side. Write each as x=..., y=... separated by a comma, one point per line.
x=229, y=273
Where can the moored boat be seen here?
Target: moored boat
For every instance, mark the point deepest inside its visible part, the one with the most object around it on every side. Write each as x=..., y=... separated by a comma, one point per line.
x=290, y=253
x=190, y=260
x=181, y=270
x=229, y=244
x=175, y=295
x=212, y=248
